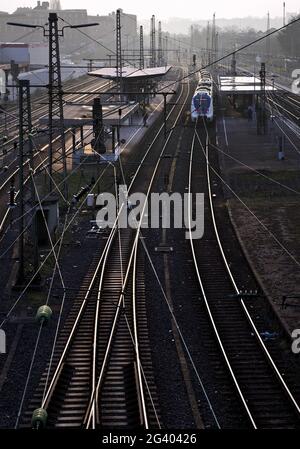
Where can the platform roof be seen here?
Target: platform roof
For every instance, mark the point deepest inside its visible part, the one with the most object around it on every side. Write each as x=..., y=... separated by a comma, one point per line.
x=241, y=85
x=131, y=72
x=82, y=115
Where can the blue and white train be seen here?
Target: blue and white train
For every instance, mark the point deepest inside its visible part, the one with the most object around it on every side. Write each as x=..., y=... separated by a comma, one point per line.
x=202, y=101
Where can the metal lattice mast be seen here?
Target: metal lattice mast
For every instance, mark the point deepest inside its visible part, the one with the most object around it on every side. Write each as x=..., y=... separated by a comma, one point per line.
x=263, y=121
x=56, y=111
x=217, y=45
x=26, y=195
x=159, y=45
x=142, y=59
x=268, y=42
x=207, y=43
x=98, y=129
x=166, y=48
x=153, y=42
x=119, y=49
x=213, y=32
x=192, y=42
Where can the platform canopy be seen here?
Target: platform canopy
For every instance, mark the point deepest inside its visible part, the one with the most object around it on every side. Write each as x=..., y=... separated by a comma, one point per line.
x=241, y=85
x=131, y=73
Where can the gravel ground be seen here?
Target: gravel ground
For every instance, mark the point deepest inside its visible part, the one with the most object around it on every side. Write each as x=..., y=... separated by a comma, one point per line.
x=275, y=205
x=75, y=260
x=278, y=269
x=74, y=264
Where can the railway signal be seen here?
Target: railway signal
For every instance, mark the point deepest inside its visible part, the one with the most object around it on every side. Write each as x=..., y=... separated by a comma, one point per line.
x=12, y=195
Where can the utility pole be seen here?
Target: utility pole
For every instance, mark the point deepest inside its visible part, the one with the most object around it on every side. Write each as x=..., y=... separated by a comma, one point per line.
x=119, y=51
x=233, y=65
x=213, y=31
x=98, y=129
x=283, y=22
x=159, y=45
x=25, y=129
x=268, y=42
x=217, y=45
x=153, y=42
x=178, y=52
x=207, y=44
x=261, y=123
x=142, y=59
x=192, y=42
x=166, y=48
x=56, y=110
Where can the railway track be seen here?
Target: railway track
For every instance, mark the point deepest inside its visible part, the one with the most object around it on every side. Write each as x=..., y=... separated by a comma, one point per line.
x=8, y=158
x=259, y=394
x=12, y=171
x=40, y=110
x=102, y=374
x=284, y=104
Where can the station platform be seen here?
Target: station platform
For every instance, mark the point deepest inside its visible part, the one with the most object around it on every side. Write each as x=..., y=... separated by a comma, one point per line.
x=241, y=85
x=238, y=137
x=82, y=115
x=132, y=128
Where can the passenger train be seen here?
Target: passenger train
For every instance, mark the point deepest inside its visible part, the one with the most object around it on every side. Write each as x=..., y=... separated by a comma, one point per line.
x=202, y=101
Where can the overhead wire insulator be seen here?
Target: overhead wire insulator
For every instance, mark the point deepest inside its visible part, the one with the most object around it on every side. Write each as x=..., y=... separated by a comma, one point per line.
x=43, y=314
x=39, y=418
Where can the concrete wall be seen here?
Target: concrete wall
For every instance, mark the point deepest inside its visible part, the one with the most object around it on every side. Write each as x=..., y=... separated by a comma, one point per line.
x=14, y=52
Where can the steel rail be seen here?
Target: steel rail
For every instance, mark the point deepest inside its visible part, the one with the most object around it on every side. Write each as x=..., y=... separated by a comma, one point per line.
x=97, y=89
x=37, y=153
x=108, y=244
x=210, y=314
x=90, y=417
x=246, y=311
x=37, y=110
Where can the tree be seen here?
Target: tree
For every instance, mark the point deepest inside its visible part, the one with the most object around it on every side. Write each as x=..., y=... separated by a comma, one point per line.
x=289, y=37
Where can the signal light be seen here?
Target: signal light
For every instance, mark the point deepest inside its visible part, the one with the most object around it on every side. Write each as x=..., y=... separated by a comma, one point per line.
x=12, y=194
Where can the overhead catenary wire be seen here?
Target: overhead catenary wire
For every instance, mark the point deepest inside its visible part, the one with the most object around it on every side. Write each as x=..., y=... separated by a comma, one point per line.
x=269, y=178
x=272, y=235
x=30, y=210
x=49, y=254
x=99, y=43
x=275, y=119
x=242, y=302
x=181, y=335
x=46, y=258
x=37, y=342
x=216, y=61
x=48, y=233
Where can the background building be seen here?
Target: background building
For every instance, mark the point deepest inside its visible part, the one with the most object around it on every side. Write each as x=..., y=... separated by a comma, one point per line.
x=75, y=43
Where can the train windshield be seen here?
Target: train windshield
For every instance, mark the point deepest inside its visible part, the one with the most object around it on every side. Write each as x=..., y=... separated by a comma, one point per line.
x=202, y=102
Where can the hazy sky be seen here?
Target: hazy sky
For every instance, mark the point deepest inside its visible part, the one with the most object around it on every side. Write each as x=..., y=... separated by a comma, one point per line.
x=177, y=8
